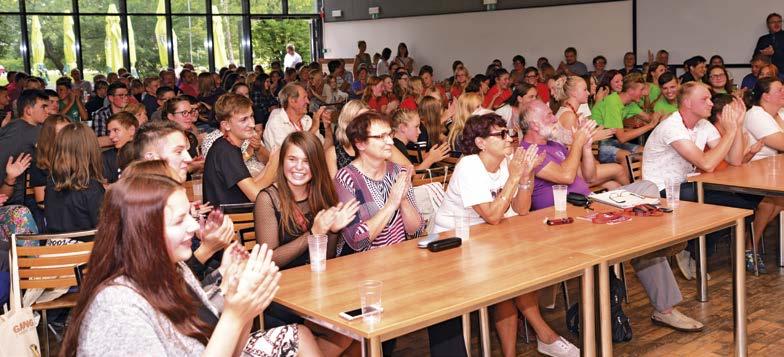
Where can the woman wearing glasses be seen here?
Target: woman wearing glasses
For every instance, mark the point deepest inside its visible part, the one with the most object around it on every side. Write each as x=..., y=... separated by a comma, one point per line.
x=488, y=184
x=387, y=210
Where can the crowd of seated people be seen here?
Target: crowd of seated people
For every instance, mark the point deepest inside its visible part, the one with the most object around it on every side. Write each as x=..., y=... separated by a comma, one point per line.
x=334, y=152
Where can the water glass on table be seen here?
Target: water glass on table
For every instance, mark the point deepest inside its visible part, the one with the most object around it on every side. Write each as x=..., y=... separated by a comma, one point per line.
x=462, y=225
x=672, y=189
x=317, y=248
x=559, y=197
x=370, y=300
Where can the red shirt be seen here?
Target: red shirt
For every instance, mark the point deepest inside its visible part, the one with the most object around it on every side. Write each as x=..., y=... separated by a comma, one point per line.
x=505, y=94
x=408, y=103
x=543, y=92
x=376, y=103
x=456, y=92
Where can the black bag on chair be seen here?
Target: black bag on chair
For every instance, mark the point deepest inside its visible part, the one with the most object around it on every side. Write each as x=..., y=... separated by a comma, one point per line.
x=621, y=328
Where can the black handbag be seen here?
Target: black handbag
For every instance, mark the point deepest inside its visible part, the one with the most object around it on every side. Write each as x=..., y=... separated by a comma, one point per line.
x=577, y=199
x=621, y=327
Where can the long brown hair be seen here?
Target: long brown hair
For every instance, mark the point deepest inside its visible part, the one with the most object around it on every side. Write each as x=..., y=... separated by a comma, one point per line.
x=430, y=113
x=44, y=148
x=321, y=192
x=130, y=242
x=77, y=158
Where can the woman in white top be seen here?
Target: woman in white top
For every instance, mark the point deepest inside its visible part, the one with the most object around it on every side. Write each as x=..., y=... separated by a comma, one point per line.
x=522, y=94
x=488, y=185
x=764, y=121
x=572, y=93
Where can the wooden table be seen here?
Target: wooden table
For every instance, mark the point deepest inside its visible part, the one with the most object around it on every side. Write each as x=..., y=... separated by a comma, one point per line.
x=422, y=288
x=764, y=177
x=621, y=242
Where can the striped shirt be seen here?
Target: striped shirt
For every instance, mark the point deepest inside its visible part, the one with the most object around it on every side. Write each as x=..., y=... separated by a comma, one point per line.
x=350, y=183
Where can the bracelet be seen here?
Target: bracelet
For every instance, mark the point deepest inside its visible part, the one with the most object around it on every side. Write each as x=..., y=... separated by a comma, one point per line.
x=9, y=184
x=525, y=186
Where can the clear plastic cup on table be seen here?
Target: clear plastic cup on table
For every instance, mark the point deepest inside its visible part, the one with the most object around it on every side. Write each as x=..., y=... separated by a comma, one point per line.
x=317, y=249
x=462, y=225
x=370, y=300
x=559, y=198
x=672, y=188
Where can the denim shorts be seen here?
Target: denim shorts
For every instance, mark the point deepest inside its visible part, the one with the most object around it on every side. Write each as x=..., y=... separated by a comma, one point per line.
x=608, y=149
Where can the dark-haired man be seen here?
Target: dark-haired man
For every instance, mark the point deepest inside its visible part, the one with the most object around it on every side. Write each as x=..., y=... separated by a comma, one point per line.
x=17, y=140
x=572, y=67
x=772, y=44
x=118, y=99
x=695, y=69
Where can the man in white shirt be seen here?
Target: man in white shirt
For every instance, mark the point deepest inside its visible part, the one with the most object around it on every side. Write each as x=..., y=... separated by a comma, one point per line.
x=292, y=117
x=292, y=57
x=676, y=148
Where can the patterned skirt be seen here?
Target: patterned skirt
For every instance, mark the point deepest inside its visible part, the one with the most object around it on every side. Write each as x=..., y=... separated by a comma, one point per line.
x=280, y=341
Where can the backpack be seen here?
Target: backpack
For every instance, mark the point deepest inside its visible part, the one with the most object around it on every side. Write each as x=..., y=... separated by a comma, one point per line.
x=621, y=327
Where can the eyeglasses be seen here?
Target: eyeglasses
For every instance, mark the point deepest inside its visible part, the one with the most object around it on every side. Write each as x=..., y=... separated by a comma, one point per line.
x=501, y=134
x=383, y=136
x=187, y=112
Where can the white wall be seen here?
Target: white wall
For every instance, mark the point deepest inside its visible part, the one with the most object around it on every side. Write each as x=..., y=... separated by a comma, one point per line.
x=686, y=28
x=477, y=38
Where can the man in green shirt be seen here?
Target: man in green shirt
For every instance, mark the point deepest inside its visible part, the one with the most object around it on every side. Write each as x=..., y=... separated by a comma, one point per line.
x=609, y=112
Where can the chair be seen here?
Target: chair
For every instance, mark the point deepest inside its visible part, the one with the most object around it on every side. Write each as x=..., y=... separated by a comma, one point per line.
x=634, y=167
x=242, y=216
x=433, y=175
x=51, y=267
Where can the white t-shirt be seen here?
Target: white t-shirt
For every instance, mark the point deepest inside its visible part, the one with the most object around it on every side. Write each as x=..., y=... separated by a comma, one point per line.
x=290, y=61
x=760, y=124
x=564, y=135
x=661, y=160
x=470, y=185
x=506, y=112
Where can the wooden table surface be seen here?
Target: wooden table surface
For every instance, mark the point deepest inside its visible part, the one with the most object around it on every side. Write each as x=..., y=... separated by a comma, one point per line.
x=764, y=175
x=422, y=288
x=618, y=242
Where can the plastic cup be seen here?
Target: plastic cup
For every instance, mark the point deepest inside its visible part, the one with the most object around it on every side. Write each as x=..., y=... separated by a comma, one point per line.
x=370, y=300
x=197, y=194
x=672, y=189
x=559, y=197
x=317, y=248
x=462, y=226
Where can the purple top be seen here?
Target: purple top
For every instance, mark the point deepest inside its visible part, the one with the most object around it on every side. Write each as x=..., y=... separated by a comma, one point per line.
x=543, y=190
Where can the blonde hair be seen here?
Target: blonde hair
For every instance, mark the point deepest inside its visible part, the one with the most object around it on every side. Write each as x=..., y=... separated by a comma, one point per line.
x=372, y=81
x=466, y=104
x=688, y=88
x=564, y=85
x=135, y=108
x=77, y=158
x=430, y=110
x=415, y=86
x=455, y=83
x=402, y=116
x=351, y=110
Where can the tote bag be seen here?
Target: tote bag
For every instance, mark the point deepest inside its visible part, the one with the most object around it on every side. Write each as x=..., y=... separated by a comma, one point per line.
x=18, y=334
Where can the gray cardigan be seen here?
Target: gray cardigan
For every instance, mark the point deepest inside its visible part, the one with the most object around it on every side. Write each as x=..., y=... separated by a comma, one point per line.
x=119, y=321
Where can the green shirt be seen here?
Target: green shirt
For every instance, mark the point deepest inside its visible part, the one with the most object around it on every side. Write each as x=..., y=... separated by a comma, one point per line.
x=631, y=110
x=653, y=92
x=609, y=112
x=664, y=107
x=73, y=113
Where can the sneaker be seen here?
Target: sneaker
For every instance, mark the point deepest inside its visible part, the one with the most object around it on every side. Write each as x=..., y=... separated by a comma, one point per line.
x=750, y=263
x=682, y=259
x=693, y=269
x=561, y=347
x=676, y=320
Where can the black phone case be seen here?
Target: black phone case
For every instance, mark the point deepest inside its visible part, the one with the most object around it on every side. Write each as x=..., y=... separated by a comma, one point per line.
x=444, y=244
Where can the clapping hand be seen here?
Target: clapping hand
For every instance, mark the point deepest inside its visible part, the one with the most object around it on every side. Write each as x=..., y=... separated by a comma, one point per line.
x=250, y=289
x=216, y=236
x=344, y=214
x=400, y=187
x=437, y=153
x=3, y=198
x=524, y=161
x=14, y=169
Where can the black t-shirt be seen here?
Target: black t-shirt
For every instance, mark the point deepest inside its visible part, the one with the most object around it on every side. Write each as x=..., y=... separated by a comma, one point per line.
x=111, y=169
x=15, y=138
x=223, y=169
x=193, y=143
x=404, y=150
x=94, y=104
x=69, y=211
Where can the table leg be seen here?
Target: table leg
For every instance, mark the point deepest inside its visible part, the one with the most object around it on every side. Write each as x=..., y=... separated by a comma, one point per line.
x=587, y=312
x=702, y=270
x=484, y=330
x=604, y=309
x=739, y=282
x=371, y=347
x=781, y=239
x=467, y=332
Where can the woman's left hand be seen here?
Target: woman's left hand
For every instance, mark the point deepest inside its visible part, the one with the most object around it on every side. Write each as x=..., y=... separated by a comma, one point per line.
x=344, y=215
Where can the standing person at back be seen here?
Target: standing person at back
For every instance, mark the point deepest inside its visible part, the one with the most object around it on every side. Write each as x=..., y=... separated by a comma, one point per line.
x=772, y=43
x=226, y=178
x=292, y=57
x=572, y=66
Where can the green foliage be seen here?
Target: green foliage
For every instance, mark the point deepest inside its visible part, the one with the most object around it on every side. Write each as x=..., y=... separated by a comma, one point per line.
x=269, y=37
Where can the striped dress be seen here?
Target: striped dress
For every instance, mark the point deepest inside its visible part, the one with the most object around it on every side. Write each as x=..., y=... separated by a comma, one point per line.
x=372, y=195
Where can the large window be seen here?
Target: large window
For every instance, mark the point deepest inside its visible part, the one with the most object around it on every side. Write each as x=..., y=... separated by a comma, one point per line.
x=145, y=36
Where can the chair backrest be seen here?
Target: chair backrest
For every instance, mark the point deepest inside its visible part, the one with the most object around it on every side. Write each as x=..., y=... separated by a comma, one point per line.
x=193, y=189
x=242, y=216
x=634, y=167
x=440, y=175
x=51, y=266
x=595, y=149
